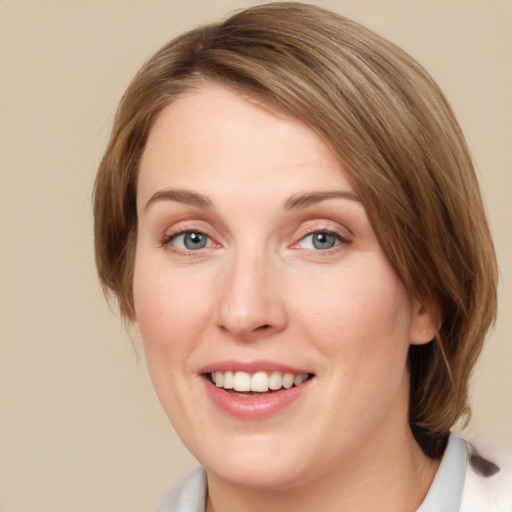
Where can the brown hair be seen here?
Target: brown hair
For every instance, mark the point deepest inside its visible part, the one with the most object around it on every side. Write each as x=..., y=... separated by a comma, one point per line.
x=397, y=140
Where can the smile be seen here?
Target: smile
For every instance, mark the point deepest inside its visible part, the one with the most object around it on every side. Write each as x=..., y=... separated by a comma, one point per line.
x=256, y=390
x=258, y=382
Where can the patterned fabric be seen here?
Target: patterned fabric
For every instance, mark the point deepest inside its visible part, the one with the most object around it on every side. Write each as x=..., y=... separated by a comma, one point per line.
x=488, y=486
x=466, y=481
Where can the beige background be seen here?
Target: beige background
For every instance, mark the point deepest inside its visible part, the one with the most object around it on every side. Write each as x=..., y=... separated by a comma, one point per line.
x=80, y=427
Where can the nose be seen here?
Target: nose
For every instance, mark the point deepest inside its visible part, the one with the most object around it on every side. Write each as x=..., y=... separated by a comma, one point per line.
x=251, y=303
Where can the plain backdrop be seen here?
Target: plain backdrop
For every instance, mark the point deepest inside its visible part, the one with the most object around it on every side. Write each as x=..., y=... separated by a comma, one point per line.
x=81, y=429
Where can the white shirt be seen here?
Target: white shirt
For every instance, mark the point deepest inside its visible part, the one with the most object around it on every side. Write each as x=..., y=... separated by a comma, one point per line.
x=464, y=482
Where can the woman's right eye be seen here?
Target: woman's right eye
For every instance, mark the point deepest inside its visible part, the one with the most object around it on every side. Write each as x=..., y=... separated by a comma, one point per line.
x=189, y=240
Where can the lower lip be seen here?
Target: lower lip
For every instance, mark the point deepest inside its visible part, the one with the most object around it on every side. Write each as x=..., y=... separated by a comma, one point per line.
x=254, y=407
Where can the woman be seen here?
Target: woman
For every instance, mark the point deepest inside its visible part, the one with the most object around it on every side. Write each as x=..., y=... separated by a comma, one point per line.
x=287, y=212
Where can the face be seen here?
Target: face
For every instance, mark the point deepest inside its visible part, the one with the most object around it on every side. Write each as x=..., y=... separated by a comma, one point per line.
x=275, y=330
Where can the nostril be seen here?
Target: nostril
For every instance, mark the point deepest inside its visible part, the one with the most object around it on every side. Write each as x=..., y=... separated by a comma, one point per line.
x=266, y=326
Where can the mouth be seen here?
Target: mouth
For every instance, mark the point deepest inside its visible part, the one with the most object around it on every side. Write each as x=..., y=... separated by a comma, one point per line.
x=255, y=390
x=259, y=383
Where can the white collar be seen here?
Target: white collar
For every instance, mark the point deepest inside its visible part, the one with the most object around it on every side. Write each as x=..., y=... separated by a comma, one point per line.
x=445, y=493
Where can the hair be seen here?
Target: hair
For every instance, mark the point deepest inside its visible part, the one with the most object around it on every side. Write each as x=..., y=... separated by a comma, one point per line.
x=397, y=140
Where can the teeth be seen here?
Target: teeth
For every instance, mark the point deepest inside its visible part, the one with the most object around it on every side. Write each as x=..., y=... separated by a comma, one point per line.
x=299, y=379
x=275, y=381
x=229, y=380
x=288, y=380
x=258, y=382
x=242, y=382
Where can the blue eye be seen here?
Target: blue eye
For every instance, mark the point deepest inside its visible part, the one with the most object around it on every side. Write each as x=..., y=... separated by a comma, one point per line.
x=320, y=241
x=190, y=240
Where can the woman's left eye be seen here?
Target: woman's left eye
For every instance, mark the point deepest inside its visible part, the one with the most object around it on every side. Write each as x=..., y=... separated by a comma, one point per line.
x=190, y=240
x=321, y=241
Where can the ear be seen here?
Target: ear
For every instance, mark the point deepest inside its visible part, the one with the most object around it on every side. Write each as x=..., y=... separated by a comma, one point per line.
x=425, y=323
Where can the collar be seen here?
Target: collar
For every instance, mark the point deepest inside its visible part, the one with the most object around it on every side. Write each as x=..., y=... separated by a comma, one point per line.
x=445, y=493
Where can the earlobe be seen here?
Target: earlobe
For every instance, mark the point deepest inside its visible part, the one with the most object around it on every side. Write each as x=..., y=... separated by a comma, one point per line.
x=425, y=324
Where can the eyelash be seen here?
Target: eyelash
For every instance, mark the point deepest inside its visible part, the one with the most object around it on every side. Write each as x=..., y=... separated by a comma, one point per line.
x=340, y=241
x=169, y=238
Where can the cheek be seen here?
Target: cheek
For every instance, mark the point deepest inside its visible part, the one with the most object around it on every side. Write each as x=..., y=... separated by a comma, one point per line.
x=169, y=317
x=362, y=312
x=169, y=308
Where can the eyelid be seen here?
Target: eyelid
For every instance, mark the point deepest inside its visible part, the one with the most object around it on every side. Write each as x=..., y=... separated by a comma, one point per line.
x=342, y=234
x=323, y=225
x=341, y=240
x=178, y=234
x=172, y=227
x=171, y=234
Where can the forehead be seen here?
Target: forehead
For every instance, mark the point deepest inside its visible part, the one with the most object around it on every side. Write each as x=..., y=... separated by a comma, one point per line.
x=213, y=138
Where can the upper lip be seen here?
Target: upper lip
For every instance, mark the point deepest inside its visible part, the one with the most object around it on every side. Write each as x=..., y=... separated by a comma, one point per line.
x=251, y=367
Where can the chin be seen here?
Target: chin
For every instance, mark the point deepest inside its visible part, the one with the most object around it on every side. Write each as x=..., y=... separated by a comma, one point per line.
x=272, y=474
x=263, y=461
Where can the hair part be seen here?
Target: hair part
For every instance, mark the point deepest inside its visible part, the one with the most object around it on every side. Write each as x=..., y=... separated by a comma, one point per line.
x=395, y=136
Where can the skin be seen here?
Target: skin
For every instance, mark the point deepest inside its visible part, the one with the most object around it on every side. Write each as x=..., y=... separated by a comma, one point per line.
x=259, y=290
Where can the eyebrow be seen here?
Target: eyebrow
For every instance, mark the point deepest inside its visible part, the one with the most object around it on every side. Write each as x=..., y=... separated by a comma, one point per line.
x=311, y=198
x=294, y=202
x=179, y=196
